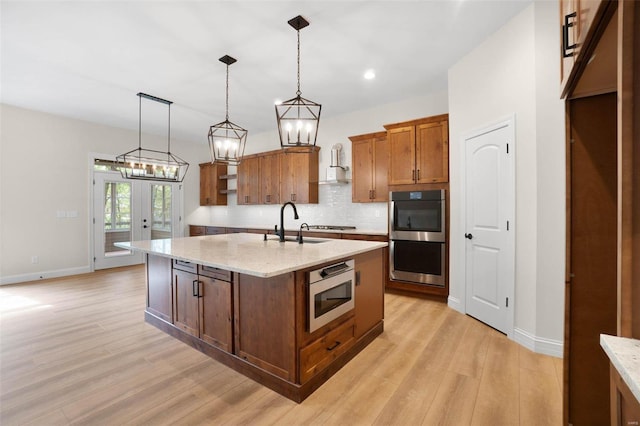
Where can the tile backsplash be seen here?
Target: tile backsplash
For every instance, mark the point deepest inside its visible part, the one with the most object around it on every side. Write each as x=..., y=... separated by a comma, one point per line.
x=334, y=208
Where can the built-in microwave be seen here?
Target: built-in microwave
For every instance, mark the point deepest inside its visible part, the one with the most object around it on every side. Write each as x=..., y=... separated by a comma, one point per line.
x=417, y=215
x=331, y=293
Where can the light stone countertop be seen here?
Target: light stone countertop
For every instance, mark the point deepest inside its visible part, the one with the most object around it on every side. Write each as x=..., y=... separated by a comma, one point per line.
x=250, y=254
x=307, y=231
x=624, y=354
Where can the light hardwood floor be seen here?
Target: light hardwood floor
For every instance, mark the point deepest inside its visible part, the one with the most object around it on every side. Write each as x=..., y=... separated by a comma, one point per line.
x=76, y=350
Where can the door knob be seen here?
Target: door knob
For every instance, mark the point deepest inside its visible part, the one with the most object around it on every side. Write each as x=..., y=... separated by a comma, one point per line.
x=468, y=236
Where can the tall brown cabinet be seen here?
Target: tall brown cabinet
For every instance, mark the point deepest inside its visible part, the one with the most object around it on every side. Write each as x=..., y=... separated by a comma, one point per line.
x=603, y=196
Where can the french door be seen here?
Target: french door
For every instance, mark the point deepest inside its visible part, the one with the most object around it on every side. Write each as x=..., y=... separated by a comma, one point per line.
x=131, y=210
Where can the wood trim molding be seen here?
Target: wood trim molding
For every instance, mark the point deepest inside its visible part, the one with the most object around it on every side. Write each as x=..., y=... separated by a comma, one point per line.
x=628, y=170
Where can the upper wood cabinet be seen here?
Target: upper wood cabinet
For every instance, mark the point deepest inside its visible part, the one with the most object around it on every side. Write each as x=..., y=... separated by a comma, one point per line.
x=577, y=18
x=249, y=181
x=270, y=178
x=299, y=176
x=419, y=151
x=211, y=184
x=370, y=163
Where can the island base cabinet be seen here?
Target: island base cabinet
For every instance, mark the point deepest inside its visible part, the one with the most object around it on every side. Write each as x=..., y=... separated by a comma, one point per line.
x=216, y=313
x=369, y=310
x=159, y=288
x=264, y=320
x=186, y=301
x=319, y=354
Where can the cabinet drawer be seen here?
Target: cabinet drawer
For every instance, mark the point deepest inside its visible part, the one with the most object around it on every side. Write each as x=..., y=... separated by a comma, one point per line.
x=319, y=354
x=183, y=265
x=215, y=230
x=195, y=230
x=217, y=273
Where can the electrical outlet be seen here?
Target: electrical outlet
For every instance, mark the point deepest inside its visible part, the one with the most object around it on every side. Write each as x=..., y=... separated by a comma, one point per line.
x=377, y=213
x=34, y=259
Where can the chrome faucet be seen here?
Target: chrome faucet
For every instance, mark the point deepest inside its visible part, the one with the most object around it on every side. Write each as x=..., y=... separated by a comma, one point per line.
x=295, y=216
x=300, y=232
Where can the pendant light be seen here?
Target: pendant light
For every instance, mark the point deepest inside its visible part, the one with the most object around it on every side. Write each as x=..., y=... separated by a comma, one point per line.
x=149, y=164
x=298, y=118
x=227, y=140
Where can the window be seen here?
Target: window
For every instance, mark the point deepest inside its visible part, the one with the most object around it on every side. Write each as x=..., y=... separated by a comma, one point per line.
x=161, y=207
x=117, y=206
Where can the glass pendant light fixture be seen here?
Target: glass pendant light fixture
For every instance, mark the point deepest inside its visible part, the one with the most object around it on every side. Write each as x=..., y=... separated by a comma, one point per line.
x=227, y=140
x=298, y=118
x=149, y=164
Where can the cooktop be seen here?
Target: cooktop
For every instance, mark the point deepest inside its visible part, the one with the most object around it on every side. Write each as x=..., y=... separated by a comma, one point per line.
x=332, y=227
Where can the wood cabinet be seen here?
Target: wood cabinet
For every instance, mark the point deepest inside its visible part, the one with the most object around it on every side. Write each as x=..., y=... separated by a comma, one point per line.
x=159, y=287
x=196, y=230
x=369, y=291
x=214, y=230
x=591, y=290
x=299, y=176
x=215, y=306
x=419, y=151
x=185, y=300
x=212, y=187
x=249, y=181
x=270, y=178
x=319, y=354
x=579, y=20
x=265, y=323
x=202, y=303
x=369, y=165
x=259, y=326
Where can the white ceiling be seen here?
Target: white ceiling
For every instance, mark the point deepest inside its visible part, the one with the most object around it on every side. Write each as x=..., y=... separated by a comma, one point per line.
x=88, y=59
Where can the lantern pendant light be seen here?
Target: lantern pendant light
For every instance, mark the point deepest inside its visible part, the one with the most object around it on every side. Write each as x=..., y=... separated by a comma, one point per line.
x=149, y=164
x=227, y=140
x=298, y=118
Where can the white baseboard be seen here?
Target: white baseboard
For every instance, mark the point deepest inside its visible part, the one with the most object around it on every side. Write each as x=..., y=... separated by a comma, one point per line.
x=538, y=344
x=455, y=303
x=37, y=276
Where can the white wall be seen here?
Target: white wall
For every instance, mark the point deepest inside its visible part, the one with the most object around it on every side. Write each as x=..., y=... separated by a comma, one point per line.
x=44, y=168
x=516, y=71
x=335, y=206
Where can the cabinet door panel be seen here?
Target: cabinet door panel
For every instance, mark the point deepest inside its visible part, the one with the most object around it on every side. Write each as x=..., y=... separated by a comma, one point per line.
x=270, y=179
x=380, y=169
x=159, y=290
x=248, y=181
x=371, y=271
x=185, y=304
x=215, y=312
x=362, y=171
x=299, y=177
x=264, y=321
x=432, y=152
x=401, y=155
x=211, y=184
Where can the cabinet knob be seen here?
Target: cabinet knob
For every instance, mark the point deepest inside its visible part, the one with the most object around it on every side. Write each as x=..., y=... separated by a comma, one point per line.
x=468, y=236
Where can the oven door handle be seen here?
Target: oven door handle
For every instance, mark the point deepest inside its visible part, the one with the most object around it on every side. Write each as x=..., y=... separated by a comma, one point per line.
x=333, y=270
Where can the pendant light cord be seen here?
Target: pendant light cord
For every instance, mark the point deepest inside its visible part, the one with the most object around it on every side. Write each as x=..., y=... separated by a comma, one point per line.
x=227, y=88
x=169, y=133
x=298, y=92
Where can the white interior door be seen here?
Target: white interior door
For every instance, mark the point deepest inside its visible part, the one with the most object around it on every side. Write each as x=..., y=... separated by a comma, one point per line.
x=490, y=232
x=131, y=210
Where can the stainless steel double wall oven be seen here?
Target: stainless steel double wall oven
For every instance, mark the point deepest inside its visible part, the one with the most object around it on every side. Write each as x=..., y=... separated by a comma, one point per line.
x=417, y=236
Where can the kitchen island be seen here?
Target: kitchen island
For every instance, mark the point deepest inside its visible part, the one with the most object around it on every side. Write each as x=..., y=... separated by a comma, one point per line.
x=247, y=302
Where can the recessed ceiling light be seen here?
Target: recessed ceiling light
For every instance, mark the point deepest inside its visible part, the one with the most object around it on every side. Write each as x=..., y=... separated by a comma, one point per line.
x=278, y=102
x=369, y=75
